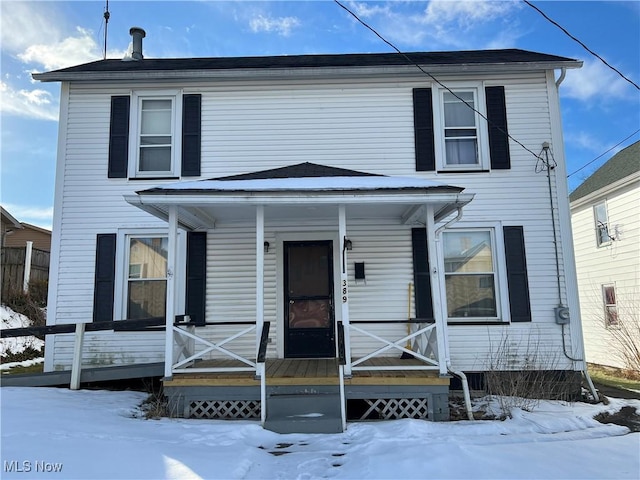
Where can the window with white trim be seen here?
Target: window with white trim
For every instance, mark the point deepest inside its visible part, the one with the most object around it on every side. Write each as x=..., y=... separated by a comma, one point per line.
x=462, y=134
x=155, y=141
x=146, y=286
x=601, y=219
x=610, y=305
x=471, y=274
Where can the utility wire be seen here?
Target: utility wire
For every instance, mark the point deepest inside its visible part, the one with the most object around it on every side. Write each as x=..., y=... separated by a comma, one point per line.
x=603, y=154
x=434, y=78
x=582, y=44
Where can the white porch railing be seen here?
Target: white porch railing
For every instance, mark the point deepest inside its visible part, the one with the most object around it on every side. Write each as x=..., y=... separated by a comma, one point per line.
x=421, y=343
x=184, y=354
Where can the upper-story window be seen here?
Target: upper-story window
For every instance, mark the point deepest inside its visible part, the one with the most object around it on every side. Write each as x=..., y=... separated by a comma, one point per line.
x=601, y=219
x=155, y=134
x=156, y=140
x=461, y=128
x=461, y=133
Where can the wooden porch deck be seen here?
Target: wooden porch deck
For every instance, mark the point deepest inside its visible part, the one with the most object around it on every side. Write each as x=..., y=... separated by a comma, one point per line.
x=323, y=371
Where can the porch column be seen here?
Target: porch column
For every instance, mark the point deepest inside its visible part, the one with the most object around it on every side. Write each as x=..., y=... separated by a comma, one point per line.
x=436, y=290
x=259, y=273
x=344, y=286
x=171, y=290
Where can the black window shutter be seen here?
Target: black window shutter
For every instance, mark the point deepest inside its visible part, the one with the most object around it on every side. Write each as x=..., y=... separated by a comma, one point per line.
x=421, y=276
x=196, y=276
x=498, y=139
x=423, y=130
x=517, y=274
x=191, y=127
x=119, y=137
x=105, y=275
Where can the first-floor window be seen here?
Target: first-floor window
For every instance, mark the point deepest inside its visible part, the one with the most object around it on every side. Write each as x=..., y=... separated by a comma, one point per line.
x=610, y=306
x=470, y=273
x=146, y=276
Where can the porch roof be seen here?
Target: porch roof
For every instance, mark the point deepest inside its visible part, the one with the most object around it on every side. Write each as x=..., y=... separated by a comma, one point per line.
x=305, y=190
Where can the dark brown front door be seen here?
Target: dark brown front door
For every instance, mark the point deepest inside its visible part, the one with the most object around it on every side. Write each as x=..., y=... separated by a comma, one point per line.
x=308, y=284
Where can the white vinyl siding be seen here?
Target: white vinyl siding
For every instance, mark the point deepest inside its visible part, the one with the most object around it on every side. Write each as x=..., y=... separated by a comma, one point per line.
x=616, y=264
x=252, y=126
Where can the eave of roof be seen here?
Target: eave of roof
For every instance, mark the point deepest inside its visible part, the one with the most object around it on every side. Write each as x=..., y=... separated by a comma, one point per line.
x=309, y=65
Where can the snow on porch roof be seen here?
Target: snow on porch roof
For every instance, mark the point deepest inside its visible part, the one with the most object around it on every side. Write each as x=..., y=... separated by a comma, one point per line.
x=300, y=178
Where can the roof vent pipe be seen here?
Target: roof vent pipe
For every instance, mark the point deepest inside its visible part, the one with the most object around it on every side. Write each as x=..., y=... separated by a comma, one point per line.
x=137, y=34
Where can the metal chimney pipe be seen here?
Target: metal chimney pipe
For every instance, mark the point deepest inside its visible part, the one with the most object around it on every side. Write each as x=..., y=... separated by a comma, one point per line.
x=137, y=34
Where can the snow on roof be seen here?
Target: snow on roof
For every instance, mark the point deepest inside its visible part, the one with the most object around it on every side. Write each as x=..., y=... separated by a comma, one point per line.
x=311, y=184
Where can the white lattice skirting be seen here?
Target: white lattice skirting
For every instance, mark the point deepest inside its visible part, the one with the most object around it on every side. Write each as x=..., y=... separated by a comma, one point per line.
x=225, y=409
x=394, y=408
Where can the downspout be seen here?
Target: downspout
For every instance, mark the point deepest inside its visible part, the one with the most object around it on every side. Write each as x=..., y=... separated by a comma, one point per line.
x=458, y=373
x=563, y=73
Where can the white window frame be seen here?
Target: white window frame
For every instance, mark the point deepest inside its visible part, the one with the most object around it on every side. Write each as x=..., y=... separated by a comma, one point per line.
x=598, y=227
x=122, y=266
x=135, y=122
x=606, y=306
x=480, y=104
x=499, y=268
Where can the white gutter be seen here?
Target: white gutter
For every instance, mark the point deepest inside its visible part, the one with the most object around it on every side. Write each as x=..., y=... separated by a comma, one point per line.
x=298, y=72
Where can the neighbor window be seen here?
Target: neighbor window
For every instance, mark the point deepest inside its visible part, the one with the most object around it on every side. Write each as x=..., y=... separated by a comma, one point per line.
x=156, y=141
x=146, y=276
x=610, y=306
x=470, y=274
x=601, y=224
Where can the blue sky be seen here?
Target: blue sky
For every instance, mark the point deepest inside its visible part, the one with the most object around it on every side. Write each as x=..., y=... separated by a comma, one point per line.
x=599, y=108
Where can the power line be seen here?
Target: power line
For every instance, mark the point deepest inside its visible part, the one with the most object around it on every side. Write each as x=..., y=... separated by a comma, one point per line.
x=410, y=60
x=603, y=154
x=582, y=44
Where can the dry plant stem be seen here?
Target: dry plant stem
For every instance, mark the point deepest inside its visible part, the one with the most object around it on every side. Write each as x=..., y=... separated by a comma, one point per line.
x=521, y=373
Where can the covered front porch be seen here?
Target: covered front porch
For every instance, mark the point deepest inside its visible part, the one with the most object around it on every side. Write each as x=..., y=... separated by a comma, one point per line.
x=308, y=326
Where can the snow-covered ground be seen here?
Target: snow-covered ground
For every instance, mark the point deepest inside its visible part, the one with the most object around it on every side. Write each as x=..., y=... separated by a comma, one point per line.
x=11, y=319
x=58, y=433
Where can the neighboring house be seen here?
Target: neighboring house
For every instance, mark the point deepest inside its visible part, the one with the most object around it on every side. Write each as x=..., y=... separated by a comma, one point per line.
x=24, y=266
x=41, y=237
x=8, y=226
x=605, y=214
x=344, y=208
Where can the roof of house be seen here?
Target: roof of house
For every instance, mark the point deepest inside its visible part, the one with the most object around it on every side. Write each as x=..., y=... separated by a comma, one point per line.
x=8, y=219
x=301, y=170
x=303, y=177
x=453, y=58
x=624, y=163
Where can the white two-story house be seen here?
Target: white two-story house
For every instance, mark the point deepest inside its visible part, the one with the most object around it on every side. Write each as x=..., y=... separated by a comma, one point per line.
x=347, y=225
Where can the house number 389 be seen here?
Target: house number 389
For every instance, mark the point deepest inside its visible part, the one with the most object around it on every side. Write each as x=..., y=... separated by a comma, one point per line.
x=344, y=291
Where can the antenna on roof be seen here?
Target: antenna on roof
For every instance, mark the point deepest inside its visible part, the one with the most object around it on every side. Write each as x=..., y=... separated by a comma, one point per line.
x=106, y=26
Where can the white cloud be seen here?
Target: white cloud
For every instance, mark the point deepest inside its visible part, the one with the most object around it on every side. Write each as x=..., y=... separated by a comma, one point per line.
x=465, y=14
x=281, y=25
x=39, y=216
x=36, y=103
x=27, y=23
x=72, y=50
x=441, y=23
x=594, y=78
x=34, y=33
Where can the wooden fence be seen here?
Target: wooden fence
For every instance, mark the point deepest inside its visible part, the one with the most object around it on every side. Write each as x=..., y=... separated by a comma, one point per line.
x=13, y=264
